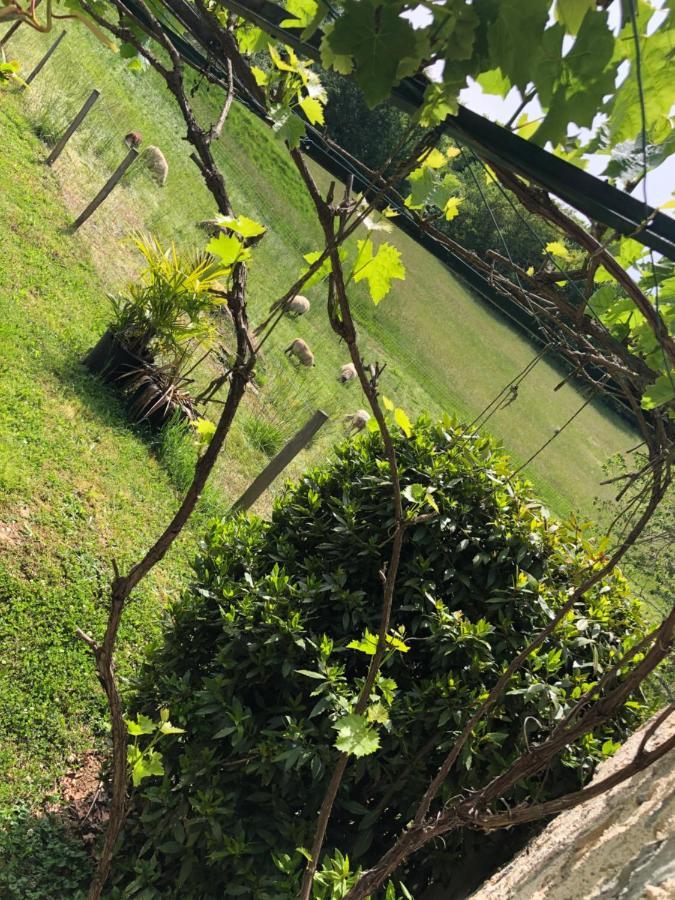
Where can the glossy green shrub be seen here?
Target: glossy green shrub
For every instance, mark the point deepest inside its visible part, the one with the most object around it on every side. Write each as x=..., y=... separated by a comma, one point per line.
x=256, y=666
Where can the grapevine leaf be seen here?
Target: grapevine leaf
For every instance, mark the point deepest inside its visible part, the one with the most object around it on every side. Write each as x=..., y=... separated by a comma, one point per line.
x=558, y=249
x=377, y=38
x=367, y=644
x=493, y=82
x=287, y=126
x=656, y=57
x=587, y=74
x=403, y=421
x=571, y=13
x=516, y=22
x=251, y=39
x=146, y=765
x=377, y=713
x=340, y=62
x=662, y=391
x=440, y=101
x=451, y=208
x=228, y=248
x=303, y=12
x=355, y=736
x=244, y=226
x=379, y=270
x=313, y=110
x=142, y=725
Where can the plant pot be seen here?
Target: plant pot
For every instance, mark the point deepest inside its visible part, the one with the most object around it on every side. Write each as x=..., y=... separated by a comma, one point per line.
x=111, y=359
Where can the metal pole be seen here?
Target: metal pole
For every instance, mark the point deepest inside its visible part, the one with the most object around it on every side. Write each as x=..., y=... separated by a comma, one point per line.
x=106, y=189
x=276, y=466
x=45, y=59
x=72, y=128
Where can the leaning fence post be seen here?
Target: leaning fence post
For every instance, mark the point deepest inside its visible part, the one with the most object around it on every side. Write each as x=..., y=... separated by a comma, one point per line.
x=106, y=189
x=45, y=59
x=280, y=461
x=11, y=31
x=72, y=128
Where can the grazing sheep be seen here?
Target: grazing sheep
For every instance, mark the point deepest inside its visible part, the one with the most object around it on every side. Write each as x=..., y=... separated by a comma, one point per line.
x=347, y=373
x=298, y=306
x=356, y=422
x=301, y=352
x=156, y=164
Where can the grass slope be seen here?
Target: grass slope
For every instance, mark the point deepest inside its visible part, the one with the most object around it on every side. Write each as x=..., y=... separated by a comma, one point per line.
x=445, y=350
x=78, y=486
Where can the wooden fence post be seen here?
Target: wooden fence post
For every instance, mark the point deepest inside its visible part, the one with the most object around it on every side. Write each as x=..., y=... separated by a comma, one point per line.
x=10, y=31
x=72, y=128
x=106, y=189
x=45, y=59
x=276, y=466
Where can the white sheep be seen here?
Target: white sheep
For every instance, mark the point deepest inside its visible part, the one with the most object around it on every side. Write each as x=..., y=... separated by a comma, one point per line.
x=156, y=163
x=347, y=373
x=356, y=422
x=301, y=352
x=298, y=306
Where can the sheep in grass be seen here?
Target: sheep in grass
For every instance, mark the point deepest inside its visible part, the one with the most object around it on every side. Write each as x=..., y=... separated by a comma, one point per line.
x=301, y=352
x=297, y=306
x=356, y=421
x=347, y=373
x=156, y=164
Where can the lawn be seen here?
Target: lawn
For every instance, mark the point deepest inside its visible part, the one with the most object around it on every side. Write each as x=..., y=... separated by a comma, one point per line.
x=445, y=349
x=79, y=485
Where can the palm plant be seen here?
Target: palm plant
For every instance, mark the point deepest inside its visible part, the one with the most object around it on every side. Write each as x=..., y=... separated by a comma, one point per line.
x=168, y=305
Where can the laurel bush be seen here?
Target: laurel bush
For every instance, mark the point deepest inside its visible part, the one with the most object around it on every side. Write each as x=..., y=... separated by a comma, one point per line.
x=265, y=653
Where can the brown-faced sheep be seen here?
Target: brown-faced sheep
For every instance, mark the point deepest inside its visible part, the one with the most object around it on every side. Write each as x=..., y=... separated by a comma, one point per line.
x=301, y=352
x=356, y=421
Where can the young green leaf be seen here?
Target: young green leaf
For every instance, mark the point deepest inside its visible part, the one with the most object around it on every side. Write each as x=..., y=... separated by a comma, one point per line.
x=355, y=736
x=228, y=248
x=403, y=421
x=380, y=269
x=313, y=109
x=244, y=226
x=303, y=11
x=558, y=249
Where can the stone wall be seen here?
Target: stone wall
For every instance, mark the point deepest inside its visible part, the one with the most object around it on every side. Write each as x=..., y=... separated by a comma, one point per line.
x=619, y=846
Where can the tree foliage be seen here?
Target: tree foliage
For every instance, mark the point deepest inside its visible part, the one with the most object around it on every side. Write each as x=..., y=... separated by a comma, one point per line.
x=265, y=654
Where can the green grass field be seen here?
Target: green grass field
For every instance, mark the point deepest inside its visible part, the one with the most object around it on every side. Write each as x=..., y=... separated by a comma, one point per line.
x=79, y=485
x=445, y=350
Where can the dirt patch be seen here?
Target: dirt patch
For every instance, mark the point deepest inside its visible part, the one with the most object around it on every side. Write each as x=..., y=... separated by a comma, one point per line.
x=82, y=797
x=619, y=846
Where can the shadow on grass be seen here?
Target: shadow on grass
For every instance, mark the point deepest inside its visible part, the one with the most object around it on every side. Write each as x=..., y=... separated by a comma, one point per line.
x=173, y=446
x=42, y=856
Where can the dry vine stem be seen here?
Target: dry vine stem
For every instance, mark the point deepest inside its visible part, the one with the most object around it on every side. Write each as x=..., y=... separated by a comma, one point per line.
x=123, y=585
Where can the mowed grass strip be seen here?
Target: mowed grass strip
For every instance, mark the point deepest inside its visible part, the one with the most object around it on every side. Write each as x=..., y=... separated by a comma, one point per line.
x=445, y=349
x=78, y=486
